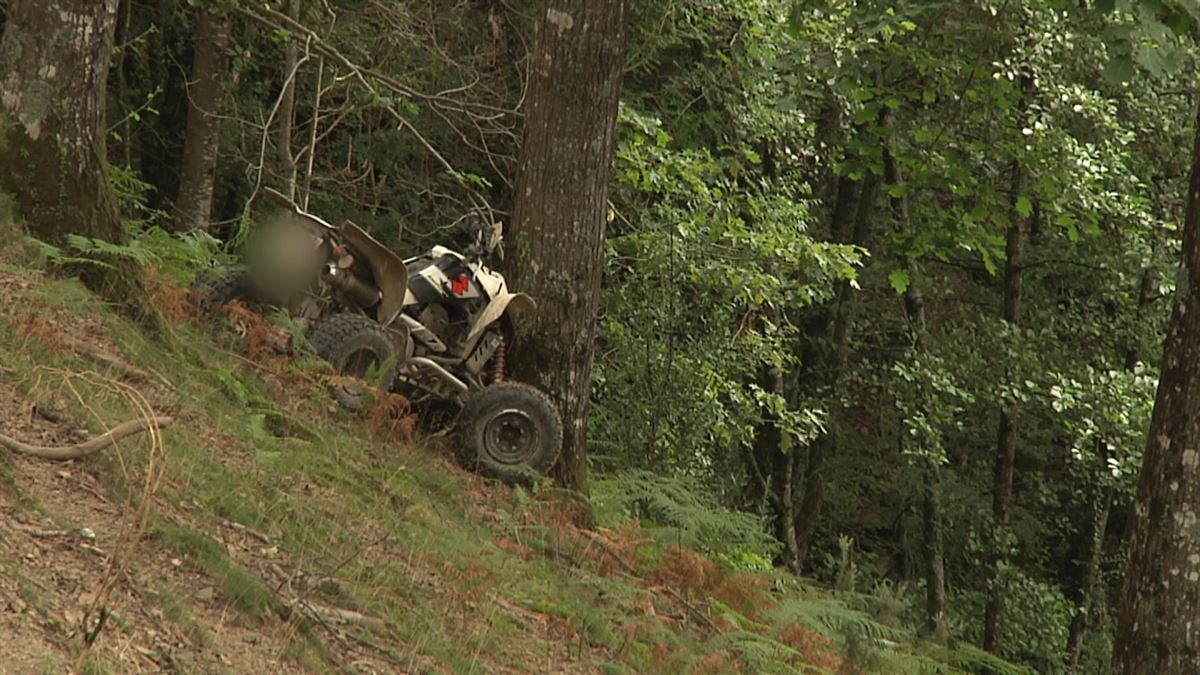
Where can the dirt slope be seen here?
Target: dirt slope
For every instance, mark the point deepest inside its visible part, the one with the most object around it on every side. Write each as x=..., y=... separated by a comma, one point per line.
x=376, y=557
x=268, y=531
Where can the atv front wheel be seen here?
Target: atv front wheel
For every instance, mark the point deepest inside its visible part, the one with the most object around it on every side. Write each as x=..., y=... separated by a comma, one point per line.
x=510, y=425
x=355, y=345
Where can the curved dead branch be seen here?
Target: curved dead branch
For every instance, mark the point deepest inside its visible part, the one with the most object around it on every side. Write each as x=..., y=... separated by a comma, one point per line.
x=92, y=445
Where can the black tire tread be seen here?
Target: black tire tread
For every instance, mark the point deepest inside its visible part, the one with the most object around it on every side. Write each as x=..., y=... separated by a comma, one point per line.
x=329, y=333
x=215, y=287
x=327, y=338
x=501, y=395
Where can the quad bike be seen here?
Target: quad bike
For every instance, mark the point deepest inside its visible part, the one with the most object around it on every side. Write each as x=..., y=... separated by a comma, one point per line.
x=436, y=327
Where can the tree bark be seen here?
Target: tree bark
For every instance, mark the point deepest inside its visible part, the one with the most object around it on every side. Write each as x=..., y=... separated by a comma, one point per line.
x=1158, y=631
x=287, y=110
x=561, y=202
x=54, y=58
x=202, y=138
x=53, y=69
x=1008, y=428
x=1089, y=573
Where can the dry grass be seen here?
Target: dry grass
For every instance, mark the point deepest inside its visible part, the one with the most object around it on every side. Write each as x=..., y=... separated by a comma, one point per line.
x=391, y=419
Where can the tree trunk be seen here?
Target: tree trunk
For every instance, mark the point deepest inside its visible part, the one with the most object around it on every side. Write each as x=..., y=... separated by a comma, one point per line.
x=1158, y=630
x=287, y=110
x=1006, y=435
x=54, y=59
x=561, y=202
x=53, y=69
x=796, y=479
x=931, y=498
x=121, y=97
x=206, y=94
x=824, y=447
x=775, y=483
x=1089, y=573
x=935, y=559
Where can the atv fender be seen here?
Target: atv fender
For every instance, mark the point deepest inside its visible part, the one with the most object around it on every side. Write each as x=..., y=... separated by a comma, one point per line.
x=391, y=276
x=518, y=306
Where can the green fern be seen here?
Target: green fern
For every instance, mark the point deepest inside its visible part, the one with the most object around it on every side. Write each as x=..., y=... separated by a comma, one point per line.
x=835, y=619
x=915, y=664
x=180, y=254
x=55, y=255
x=133, y=199
x=973, y=659
x=99, y=249
x=680, y=510
x=759, y=653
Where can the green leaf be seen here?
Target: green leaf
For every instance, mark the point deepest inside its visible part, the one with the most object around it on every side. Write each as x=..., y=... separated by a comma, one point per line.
x=899, y=280
x=1024, y=206
x=1119, y=69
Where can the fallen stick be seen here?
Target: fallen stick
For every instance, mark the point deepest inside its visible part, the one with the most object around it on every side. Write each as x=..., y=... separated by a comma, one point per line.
x=336, y=614
x=106, y=359
x=92, y=445
x=42, y=534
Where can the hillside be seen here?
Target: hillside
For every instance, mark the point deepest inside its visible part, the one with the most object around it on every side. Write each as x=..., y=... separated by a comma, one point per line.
x=267, y=531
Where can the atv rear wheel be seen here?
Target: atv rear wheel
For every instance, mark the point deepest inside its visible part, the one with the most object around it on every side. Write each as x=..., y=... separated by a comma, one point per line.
x=221, y=286
x=510, y=426
x=355, y=345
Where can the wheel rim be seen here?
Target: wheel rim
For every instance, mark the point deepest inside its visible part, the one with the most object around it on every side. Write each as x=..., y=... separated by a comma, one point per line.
x=510, y=436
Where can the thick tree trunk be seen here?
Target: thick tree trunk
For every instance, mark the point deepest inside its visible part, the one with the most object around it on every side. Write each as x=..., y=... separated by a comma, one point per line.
x=1006, y=434
x=54, y=59
x=53, y=69
x=203, y=136
x=561, y=202
x=1158, y=630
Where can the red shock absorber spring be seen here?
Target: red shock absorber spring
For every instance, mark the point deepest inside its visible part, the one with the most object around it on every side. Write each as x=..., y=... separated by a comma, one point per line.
x=499, y=362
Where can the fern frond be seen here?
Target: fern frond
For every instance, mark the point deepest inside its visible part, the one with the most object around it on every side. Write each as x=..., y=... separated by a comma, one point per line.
x=759, y=653
x=916, y=664
x=57, y=256
x=680, y=510
x=92, y=248
x=970, y=658
x=834, y=618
